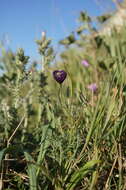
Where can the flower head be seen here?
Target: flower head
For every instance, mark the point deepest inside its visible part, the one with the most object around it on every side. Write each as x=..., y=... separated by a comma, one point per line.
x=59, y=75
x=85, y=63
x=43, y=34
x=93, y=87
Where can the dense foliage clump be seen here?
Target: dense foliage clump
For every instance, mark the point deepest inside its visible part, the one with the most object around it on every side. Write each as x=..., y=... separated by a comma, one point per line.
x=68, y=135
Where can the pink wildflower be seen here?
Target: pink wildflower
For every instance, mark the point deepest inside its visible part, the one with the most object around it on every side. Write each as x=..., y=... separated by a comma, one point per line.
x=85, y=63
x=93, y=87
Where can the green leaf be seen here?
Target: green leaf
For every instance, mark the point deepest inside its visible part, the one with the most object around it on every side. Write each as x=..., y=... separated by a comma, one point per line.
x=103, y=18
x=31, y=171
x=80, y=29
x=2, y=153
x=83, y=171
x=44, y=145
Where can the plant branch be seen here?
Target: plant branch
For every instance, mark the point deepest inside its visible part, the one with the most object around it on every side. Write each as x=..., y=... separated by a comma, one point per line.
x=10, y=139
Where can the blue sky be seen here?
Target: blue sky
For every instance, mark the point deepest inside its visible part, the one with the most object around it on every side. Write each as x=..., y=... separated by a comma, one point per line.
x=22, y=21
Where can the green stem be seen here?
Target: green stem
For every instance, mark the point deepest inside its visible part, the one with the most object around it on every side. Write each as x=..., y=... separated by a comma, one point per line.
x=60, y=95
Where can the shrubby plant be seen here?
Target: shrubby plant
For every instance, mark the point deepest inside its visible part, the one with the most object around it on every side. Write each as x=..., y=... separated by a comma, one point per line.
x=70, y=135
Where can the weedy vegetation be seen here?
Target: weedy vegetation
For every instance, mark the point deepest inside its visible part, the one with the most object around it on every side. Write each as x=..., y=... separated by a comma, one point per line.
x=65, y=131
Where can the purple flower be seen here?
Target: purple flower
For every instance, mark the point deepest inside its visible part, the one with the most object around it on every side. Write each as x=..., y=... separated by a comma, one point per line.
x=85, y=63
x=93, y=87
x=59, y=76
